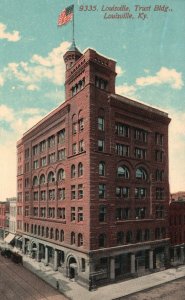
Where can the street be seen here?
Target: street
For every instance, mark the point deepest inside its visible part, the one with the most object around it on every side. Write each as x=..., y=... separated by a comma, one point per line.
x=18, y=283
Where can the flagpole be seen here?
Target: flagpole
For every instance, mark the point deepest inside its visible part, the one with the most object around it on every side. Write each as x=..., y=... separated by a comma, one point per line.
x=73, y=24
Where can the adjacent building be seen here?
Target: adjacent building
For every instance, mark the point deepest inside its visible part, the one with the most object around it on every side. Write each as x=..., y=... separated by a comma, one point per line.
x=4, y=218
x=92, y=179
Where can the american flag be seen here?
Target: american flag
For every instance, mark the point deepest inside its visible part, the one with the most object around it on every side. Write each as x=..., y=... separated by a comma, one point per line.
x=66, y=15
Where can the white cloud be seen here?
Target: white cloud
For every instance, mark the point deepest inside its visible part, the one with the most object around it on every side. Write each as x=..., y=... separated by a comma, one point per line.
x=1, y=80
x=6, y=113
x=119, y=71
x=125, y=89
x=32, y=87
x=163, y=76
x=177, y=151
x=11, y=37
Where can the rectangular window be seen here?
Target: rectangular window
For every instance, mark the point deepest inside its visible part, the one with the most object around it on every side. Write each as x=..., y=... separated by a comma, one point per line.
x=42, y=146
x=27, y=153
x=159, y=212
x=122, y=192
x=72, y=214
x=102, y=213
x=35, y=211
x=26, y=182
x=81, y=146
x=43, y=212
x=140, y=153
x=101, y=123
x=159, y=156
x=159, y=194
x=73, y=192
x=51, y=141
x=43, y=195
x=51, y=158
x=122, y=150
x=122, y=130
x=81, y=124
x=61, y=213
x=27, y=196
x=35, y=196
x=80, y=191
x=61, y=136
x=75, y=128
x=74, y=149
x=62, y=154
x=43, y=161
x=51, y=194
x=35, y=164
x=122, y=213
x=101, y=145
x=140, y=212
x=61, y=194
x=102, y=190
x=26, y=167
x=140, y=192
x=35, y=150
x=80, y=214
x=26, y=211
x=159, y=138
x=140, y=135
x=101, y=83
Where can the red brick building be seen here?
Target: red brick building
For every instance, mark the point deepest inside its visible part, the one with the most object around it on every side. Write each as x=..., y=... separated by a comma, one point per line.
x=92, y=179
x=4, y=218
x=177, y=227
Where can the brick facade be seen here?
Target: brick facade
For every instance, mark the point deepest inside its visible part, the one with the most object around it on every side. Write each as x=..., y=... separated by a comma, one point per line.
x=92, y=179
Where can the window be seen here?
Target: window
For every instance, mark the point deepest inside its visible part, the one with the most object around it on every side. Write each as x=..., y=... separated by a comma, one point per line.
x=51, y=141
x=122, y=213
x=26, y=167
x=51, y=212
x=61, y=213
x=80, y=214
x=122, y=150
x=122, y=192
x=80, y=169
x=101, y=145
x=159, y=194
x=102, y=168
x=120, y=237
x=102, y=240
x=140, y=212
x=81, y=124
x=157, y=233
x=35, y=211
x=123, y=172
x=129, y=237
x=73, y=192
x=102, y=213
x=61, y=235
x=35, y=196
x=56, y=234
x=43, y=195
x=62, y=154
x=72, y=214
x=159, y=139
x=78, y=86
x=42, y=146
x=26, y=211
x=140, y=192
x=42, y=179
x=122, y=130
x=80, y=240
x=159, y=175
x=81, y=146
x=141, y=174
x=159, y=155
x=35, y=181
x=61, y=136
x=159, y=211
x=61, y=174
x=72, y=238
x=101, y=123
x=102, y=190
x=43, y=161
x=51, y=158
x=51, y=177
x=80, y=191
x=27, y=196
x=140, y=153
x=73, y=171
x=140, y=135
x=35, y=150
x=75, y=127
x=27, y=153
x=147, y=235
x=74, y=149
x=61, y=194
x=139, y=235
x=51, y=194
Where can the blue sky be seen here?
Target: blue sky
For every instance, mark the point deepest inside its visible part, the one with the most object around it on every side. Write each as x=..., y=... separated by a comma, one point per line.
x=150, y=57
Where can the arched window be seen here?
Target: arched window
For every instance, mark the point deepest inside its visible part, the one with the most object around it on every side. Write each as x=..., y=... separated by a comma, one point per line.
x=56, y=234
x=120, y=237
x=123, y=172
x=51, y=177
x=73, y=171
x=129, y=237
x=102, y=240
x=42, y=179
x=35, y=181
x=101, y=168
x=61, y=174
x=61, y=235
x=141, y=174
x=80, y=169
x=80, y=240
x=72, y=238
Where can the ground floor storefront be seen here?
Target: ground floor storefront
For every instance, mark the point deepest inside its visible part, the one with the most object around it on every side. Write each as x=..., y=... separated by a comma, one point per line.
x=177, y=254
x=102, y=266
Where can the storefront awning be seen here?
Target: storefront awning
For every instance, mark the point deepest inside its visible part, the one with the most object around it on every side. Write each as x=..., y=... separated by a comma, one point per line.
x=9, y=238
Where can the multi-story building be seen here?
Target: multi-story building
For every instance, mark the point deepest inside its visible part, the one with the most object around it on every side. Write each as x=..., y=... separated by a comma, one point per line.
x=12, y=215
x=4, y=218
x=177, y=227
x=92, y=179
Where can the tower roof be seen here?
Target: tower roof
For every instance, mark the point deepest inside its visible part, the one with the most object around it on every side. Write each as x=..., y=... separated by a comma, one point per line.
x=73, y=47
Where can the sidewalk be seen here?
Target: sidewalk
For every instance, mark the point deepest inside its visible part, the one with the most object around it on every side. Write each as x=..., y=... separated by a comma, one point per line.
x=74, y=291
x=109, y=292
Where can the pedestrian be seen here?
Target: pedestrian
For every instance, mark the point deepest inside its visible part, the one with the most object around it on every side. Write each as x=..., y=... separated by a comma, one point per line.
x=57, y=285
